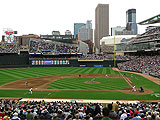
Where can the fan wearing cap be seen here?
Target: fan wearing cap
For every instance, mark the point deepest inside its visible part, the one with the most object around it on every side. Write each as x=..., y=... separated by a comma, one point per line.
x=15, y=116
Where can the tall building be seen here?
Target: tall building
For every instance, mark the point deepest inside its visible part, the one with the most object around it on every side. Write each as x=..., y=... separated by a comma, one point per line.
x=131, y=20
x=131, y=15
x=85, y=34
x=124, y=32
x=89, y=24
x=115, y=29
x=77, y=26
x=101, y=23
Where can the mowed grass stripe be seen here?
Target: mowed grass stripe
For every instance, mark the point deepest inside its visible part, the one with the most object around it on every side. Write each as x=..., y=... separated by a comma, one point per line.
x=35, y=74
x=15, y=71
x=96, y=71
x=70, y=71
x=11, y=75
x=63, y=71
x=47, y=72
x=86, y=69
x=44, y=72
x=4, y=81
x=25, y=74
x=108, y=71
x=87, y=72
x=76, y=83
x=80, y=71
x=104, y=71
x=92, y=71
x=100, y=71
x=111, y=71
x=75, y=71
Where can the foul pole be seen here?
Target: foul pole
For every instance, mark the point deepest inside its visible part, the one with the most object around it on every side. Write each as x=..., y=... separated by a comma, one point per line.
x=114, y=53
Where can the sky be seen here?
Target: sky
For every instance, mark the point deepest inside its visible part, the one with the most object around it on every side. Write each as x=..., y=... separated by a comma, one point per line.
x=44, y=16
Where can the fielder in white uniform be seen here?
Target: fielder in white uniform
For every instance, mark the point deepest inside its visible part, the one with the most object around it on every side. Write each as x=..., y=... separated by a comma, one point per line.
x=30, y=90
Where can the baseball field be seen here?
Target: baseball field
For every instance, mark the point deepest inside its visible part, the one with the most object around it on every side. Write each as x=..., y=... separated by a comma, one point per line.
x=77, y=83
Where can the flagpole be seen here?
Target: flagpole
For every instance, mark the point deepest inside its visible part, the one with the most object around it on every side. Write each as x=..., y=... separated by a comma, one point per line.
x=114, y=54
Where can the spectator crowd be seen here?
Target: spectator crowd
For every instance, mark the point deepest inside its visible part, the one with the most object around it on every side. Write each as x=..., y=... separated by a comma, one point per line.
x=52, y=46
x=151, y=31
x=59, y=110
x=151, y=34
x=10, y=48
x=148, y=38
x=145, y=64
x=104, y=57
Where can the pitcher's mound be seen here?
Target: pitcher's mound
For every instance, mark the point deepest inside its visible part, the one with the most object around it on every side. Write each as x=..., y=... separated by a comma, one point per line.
x=91, y=82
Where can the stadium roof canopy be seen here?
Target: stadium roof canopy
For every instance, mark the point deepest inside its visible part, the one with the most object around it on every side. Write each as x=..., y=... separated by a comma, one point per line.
x=152, y=20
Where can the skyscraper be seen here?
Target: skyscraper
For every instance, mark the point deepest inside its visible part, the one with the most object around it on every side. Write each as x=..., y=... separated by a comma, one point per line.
x=131, y=15
x=89, y=24
x=86, y=32
x=101, y=23
x=131, y=20
x=77, y=26
x=115, y=29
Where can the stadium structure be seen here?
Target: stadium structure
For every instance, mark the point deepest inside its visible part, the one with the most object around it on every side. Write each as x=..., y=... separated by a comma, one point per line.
x=60, y=82
x=144, y=45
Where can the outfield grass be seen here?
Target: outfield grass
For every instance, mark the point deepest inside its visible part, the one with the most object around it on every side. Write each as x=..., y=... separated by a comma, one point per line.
x=112, y=95
x=78, y=83
x=9, y=75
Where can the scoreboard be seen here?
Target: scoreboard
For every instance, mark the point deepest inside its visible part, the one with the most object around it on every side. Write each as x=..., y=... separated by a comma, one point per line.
x=50, y=62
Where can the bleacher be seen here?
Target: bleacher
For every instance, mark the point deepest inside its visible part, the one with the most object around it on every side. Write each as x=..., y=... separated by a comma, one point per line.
x=63, y=110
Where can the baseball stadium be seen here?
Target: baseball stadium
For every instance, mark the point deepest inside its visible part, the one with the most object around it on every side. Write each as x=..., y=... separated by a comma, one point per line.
x=55, y=70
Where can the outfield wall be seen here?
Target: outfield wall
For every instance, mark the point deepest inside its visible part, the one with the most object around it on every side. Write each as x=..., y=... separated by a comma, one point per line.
x=23, y=61
x=14, y=60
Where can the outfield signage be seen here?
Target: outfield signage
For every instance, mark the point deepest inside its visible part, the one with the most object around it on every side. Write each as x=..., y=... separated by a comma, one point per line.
x=35, y=53
x=97, y=65
x=82, y=65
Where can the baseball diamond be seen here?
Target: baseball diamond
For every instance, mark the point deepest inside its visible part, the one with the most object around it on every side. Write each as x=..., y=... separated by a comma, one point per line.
x=53, y=83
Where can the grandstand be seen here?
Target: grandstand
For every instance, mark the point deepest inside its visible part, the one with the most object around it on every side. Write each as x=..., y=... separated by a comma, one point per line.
x=52, y=46
x=57, y=110
x=6, y=48
x=148, y=41
x=146, y=47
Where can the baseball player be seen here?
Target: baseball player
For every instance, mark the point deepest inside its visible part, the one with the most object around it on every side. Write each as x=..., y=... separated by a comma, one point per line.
x=26, y=83
x=106, y=76
x=30, y=90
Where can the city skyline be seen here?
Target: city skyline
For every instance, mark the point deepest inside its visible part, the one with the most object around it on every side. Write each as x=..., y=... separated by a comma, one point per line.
x=42, y=17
